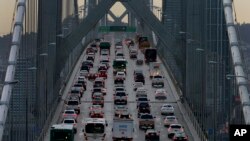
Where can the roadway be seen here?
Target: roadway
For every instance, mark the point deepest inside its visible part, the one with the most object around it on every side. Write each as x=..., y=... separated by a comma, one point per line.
x=109, y=106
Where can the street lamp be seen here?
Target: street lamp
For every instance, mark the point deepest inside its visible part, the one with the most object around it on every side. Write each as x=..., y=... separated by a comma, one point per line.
x=229, y=76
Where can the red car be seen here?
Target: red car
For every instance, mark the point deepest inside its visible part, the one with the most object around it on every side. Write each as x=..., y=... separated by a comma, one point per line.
x=103, y=73
x=96, y=111
x=92, y=76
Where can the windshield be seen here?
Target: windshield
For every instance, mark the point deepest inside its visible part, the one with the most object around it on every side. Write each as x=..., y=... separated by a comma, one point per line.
x=68, y=121
x=72, y=102
x=69, y=112
x=119, y=63
x=146, y=117
x=158, y=76
x=62, y=135
x=176, y=126
x=120, y=94
x=94, y=128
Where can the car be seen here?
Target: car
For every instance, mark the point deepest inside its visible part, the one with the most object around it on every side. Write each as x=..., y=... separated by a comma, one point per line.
x=137, y=85
x=97, y=94
x=160, y=94
x=99, y=82
x=139, y=61
x=142, y=100
x=169, y=120
x=137, y=72
x=73, y=102
x=104, y=52
x=120, y=97
x=103, y=74
x=118, y=82
x=72, y=121
x=180, y=136
x=84, y=73
x=118, y=45
x=90, y=50
x=88, y=63
x=119, y=89
x=94, y=46
x=133, y=53
x=146, y=121
x=92, y=75
x=69, y=113
x=167, y=109
x=98, y=101
x=120, y=75
x=174, y=128
x=119, y=109
x=102, y=67
x=100, y=90
x=141, y=91
x=158, y=81
x=83, y=81
x=84, y=69
x=119, y=55
x=96, y=111
x=75, y=92
x=152, y=135
x=90, y=58
x=140, y=78
x=79, y=86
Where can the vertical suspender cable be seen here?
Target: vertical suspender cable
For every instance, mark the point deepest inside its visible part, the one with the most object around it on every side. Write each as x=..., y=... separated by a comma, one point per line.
x=10, y=73
x=237, y=60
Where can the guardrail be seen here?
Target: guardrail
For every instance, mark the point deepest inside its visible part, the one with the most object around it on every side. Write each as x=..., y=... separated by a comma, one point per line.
x=10, y=73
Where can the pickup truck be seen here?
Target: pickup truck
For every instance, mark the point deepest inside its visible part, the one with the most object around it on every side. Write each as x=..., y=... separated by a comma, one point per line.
x=146, y=121
x=123, y=129
x=158, y=81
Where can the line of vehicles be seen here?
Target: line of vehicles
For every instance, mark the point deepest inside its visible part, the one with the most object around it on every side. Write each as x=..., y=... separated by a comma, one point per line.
x=123, y=126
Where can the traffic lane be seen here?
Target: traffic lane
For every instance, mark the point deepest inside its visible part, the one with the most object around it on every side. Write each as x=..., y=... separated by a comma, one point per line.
x=155, y=107
x=140, y=134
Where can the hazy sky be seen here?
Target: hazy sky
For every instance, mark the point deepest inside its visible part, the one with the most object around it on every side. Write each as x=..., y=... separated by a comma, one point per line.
x=7, y=8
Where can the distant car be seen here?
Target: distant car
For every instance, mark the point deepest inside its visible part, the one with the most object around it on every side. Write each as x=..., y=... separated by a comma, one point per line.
x=119, y=109
x=119, y=89
x=99, y=82
x=90, y=58
x=140, y=91
x=92, y=75
x=146, y=121
x=84, y=73
x=118, y=45
x=152, y=135
x=180, y=136
x=137, y=85
x=120, y=98
x=69, y=114
x=174, y=128
x=98, y=101
x=119, y=55
x=139, y=61
x=71, y=121
x=103, y=74
x=158, y=81
x=142, y=100
x=170, y=120
x=96, y=111
x=167, y=109
x=120, y=75
x=160, y=94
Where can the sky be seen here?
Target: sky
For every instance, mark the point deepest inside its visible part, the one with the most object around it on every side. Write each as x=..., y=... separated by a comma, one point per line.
x=7, y=9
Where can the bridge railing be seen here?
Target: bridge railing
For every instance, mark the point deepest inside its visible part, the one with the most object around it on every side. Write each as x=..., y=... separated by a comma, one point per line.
x=10, y=73
x=240, y=77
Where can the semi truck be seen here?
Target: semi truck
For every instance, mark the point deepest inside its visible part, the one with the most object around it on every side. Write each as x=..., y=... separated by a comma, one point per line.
x=150, y=55
x=123, y=129
x=143, y=42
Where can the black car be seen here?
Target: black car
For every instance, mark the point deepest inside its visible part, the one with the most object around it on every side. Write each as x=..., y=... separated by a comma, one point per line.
x=88, y=63
x=140, y=78
x=85, y=67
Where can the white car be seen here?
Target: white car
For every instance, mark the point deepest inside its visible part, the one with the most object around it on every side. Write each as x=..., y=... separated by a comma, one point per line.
x=71, y=121
x=160, y=94
x=120, y=75
x=84, y=73
x=137, y=85
x=141, y=91
x=167, y=109
x=170, y=120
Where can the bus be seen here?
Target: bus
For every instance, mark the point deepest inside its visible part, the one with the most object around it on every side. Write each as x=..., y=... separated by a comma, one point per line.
x=62, y=132
x=119, y=64
x=95, y=128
